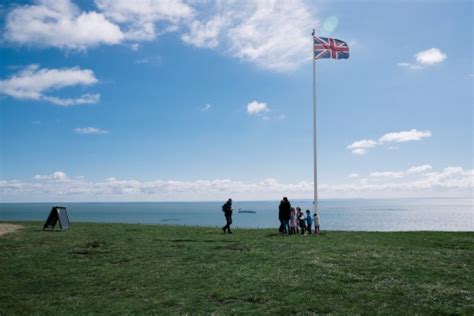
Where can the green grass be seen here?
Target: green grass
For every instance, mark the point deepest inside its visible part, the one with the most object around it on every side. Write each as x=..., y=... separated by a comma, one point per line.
x=118, y=268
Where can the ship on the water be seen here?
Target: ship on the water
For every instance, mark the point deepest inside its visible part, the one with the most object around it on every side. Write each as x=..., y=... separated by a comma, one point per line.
x=247, y=211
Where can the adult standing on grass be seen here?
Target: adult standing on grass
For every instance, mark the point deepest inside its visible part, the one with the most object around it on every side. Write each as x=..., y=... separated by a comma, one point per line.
x=227, y=209
x=284, y=215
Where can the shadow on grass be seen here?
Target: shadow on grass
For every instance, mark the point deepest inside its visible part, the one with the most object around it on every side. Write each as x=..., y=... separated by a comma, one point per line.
x=279, y=235
x=194, y=240
x=274, y=235
x=232, y=248
x=216, y=240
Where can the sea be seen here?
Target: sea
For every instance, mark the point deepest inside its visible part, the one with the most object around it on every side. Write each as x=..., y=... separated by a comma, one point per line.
x=426, y=214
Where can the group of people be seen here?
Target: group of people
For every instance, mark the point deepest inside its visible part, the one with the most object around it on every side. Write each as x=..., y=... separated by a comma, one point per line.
x=292, y=220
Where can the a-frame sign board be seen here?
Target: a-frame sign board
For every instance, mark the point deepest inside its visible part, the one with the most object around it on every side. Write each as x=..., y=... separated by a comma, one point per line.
x=58, y=213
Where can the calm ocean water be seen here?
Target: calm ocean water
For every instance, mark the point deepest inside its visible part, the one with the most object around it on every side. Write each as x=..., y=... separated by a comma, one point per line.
x=357, y=214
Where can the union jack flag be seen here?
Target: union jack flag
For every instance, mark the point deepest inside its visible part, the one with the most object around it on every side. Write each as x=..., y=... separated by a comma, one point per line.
x=330, y=48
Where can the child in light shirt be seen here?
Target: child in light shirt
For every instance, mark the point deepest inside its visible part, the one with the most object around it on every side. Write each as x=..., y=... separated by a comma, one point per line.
x=293, y=221
x=316, y=223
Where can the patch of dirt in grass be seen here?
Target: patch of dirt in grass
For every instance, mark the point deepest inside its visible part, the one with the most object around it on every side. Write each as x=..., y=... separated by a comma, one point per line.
x=9, y=228
x=89, y=249
x=94, y=244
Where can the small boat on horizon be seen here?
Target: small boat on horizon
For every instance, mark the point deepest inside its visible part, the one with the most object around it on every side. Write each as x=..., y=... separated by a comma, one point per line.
x=246, y=211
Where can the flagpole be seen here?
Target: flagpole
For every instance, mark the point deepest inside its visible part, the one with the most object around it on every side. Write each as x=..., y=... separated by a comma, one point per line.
x=315, y=152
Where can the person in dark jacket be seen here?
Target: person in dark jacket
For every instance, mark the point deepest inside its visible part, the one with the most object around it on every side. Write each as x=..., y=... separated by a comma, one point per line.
x=302, y=222
x=284, y=216
x=227, y=209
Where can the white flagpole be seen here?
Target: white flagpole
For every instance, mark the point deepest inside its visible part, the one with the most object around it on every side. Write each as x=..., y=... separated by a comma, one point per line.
x=315, y=157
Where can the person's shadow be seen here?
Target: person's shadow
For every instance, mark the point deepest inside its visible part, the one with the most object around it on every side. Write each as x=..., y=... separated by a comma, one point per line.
x=273, y=235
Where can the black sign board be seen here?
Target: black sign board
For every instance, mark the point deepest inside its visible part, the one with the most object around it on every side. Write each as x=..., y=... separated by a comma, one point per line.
x=58, y=213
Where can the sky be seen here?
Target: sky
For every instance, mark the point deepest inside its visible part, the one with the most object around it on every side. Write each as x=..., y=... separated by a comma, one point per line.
x=118, y=100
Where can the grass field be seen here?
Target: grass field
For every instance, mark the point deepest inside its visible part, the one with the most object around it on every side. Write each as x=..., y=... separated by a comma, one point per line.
x=118, y=268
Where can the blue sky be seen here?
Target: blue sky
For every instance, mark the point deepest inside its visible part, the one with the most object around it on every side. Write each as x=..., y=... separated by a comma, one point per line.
x=181, y=100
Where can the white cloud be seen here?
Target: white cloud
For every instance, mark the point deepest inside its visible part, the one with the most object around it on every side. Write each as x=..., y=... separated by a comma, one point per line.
x=425, y=58
x=257, y=108
x=353, y=175
x=404, y=136
x=389, y=174
x=206, y=107
x=139, y=18
x=32, y=82
x=452, y=170
x=268, y=117
x=135, y=47
x=412, y=171
x=154, y=60
x=149, y=10
x=56, y=176
x=430, y=56
x=419, y=169
x=410, y=66
x=280, y=117
x=59, y=23
x=360, y=147
x=205, y=34
x=271, y=34
x=359, y=151
x=90, y=130
x=452, y=181
x=83, y=99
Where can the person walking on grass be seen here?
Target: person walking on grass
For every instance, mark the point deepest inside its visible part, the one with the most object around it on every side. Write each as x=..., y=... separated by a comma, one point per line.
x=316, y=223
x=284, y=215
x=227, y=209
x=309, y=221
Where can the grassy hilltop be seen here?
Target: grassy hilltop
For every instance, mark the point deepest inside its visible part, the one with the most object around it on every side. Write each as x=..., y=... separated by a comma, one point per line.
x=118, y=268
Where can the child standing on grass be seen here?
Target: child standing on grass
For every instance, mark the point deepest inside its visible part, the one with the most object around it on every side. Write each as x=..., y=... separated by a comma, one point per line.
x=309, y=221
x=302, y=222
x=293, y=221
x=316, y=224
